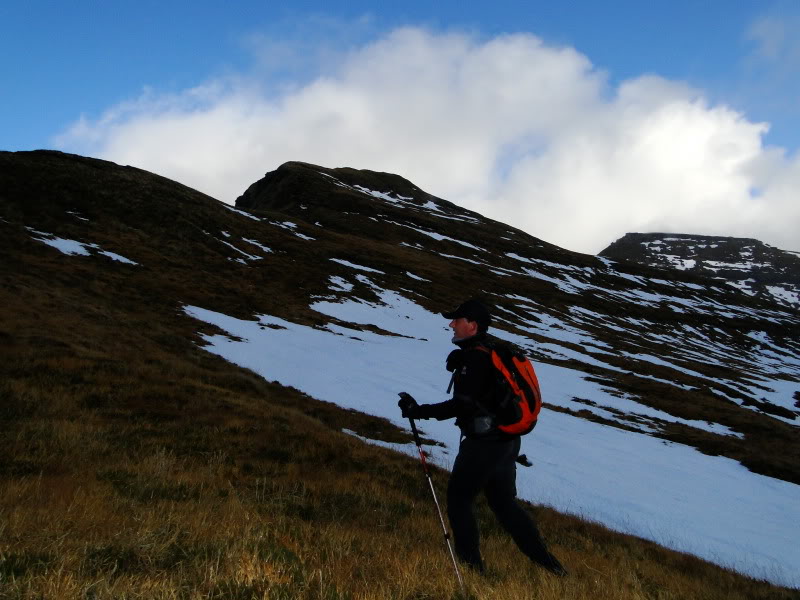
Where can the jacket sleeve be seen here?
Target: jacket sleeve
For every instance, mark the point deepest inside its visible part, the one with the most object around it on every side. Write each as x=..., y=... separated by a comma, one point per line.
x=473, y=384
x=441, y=411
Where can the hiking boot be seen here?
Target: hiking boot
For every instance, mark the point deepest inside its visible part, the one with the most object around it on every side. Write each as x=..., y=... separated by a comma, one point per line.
x=554, y=566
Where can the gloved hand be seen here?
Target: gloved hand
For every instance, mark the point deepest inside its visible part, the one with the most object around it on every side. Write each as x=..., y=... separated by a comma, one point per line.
x=408, y=405
x=455, y=360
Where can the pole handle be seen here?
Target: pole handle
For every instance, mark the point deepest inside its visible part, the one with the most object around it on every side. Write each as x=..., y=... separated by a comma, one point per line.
x=414, y=431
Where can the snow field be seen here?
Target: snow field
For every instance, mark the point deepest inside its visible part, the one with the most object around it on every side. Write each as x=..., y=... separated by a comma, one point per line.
x=670, y=493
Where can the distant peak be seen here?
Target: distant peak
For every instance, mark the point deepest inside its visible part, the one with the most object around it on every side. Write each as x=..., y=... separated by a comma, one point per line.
x=747, y=264
x=296, y=183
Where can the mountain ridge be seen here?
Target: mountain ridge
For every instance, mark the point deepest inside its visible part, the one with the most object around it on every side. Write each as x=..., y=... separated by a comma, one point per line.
x=589, y=304
x=628, y=347
x=467, y=239
x=750, y=265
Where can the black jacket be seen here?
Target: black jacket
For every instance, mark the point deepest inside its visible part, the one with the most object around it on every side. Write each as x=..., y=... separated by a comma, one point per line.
x=474, y=386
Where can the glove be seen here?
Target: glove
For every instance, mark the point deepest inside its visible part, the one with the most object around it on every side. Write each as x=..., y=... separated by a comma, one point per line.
x=408, y=405
x=455, y=360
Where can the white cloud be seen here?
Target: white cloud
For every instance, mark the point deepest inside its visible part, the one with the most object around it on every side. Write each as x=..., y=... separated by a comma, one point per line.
x=775, y=39
x=521, y=131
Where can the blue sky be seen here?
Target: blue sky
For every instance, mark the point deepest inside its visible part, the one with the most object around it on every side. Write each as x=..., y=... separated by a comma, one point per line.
x=89, y=77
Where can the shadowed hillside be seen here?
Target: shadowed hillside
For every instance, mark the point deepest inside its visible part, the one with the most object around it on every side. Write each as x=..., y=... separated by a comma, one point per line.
x=669, y=340
x=137, y=464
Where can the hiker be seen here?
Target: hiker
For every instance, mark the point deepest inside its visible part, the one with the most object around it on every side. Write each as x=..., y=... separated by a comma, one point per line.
x=487, y=456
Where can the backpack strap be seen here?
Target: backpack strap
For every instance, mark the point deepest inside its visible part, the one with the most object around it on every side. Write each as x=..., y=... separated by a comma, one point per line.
x=452, y=381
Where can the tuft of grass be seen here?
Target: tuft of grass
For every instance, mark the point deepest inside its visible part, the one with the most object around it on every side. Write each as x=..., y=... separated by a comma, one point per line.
x=20, y=564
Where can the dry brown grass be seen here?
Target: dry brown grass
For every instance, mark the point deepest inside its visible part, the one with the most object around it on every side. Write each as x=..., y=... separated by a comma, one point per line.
x=218, y=486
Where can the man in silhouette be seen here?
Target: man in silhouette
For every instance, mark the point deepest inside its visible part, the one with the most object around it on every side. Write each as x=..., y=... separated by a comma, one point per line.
x=487, y=457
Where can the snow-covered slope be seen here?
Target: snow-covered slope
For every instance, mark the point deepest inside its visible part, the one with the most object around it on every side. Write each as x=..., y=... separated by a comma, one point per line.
x=668, y=492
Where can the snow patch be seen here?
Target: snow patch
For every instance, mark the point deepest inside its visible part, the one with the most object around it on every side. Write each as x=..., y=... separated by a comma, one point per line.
x=340, y=285
x=258, y=245
x=75, y=248
x=240, y=212
x=355, y=266
x=416, y=277
x=670, y=493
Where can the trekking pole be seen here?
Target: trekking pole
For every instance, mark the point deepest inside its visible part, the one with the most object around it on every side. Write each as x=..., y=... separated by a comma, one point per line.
x=436, y=501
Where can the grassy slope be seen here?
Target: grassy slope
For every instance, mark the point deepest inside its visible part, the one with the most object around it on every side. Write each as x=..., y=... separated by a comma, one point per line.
x=136, y=465
x=767, y=446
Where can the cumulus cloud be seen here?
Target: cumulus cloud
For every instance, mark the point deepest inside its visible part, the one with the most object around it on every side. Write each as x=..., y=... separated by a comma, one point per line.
x=519, y=130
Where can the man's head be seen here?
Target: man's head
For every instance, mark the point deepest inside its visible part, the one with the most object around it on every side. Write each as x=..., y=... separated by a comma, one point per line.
x=469, y=319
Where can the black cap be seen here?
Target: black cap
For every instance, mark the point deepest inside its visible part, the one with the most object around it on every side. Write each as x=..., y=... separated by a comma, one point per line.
x=472, y=310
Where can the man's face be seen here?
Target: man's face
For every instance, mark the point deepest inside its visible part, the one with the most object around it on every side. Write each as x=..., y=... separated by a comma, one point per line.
x=463, y=328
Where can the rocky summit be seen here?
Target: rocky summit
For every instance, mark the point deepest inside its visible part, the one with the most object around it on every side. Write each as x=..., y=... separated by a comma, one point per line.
x=752, y=266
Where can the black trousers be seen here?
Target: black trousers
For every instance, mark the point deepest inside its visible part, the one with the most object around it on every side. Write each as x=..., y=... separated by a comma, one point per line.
x=489, y=466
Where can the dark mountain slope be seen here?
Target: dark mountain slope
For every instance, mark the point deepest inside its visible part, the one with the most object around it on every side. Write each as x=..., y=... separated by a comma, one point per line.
x=673, y=341
x=695, y=350
x=136, y=460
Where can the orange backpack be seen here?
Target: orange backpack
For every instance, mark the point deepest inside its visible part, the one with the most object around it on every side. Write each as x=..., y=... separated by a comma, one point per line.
x=518, y=397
